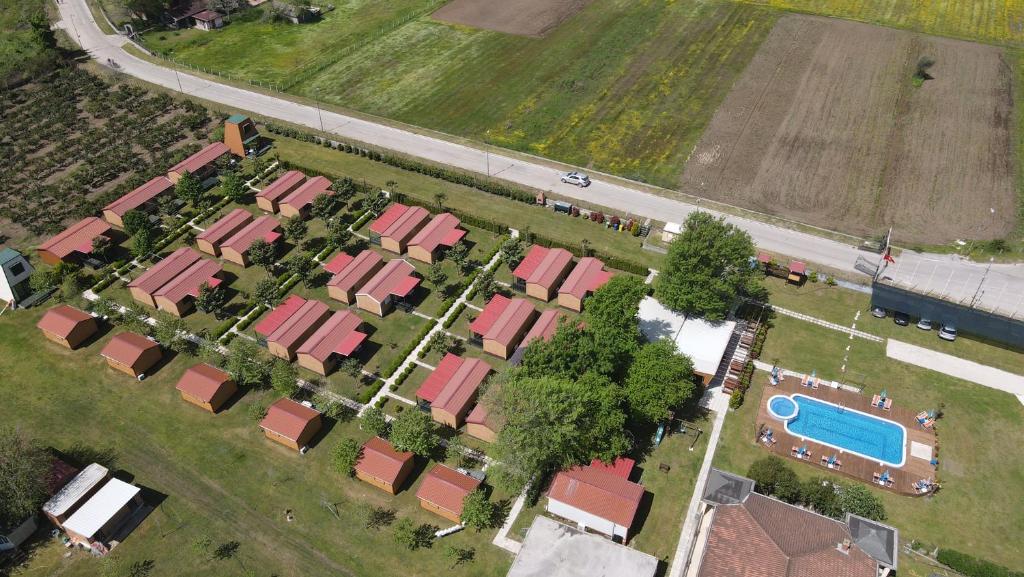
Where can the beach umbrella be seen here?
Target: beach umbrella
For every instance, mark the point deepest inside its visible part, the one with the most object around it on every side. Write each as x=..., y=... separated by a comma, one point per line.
x=885, y=393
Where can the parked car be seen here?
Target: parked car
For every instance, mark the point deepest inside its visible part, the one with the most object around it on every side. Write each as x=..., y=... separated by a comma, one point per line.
x=947, y=333
x=924, y=324
x=902, y=319
x=878, y=312
x=577, y=178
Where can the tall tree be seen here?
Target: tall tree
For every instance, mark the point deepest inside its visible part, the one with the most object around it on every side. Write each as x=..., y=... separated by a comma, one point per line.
x=611, y=321
x=567, y=354
x=295, y=229
x=143, y=243
x=477, y=511
x=375, y=423
x=439, y=198
x=414, y=431
x=283, y=378
x=303, y=266
x=134, y=221
x=512, y=252
x=339, y=234
x=459, y=254
x=707, y=268
x=265, y=292
x=436, y=276
x=233, y=186
x=263, y=254
x=345, y=455
x=24, y=466
x=485, y=284
x=171, y=332
x=212, y=300
x=344, y=189
x=324, y=206
x=859, y=500
x=247, y=363
x=659, y=380
x=772, y=476
x=189, y=189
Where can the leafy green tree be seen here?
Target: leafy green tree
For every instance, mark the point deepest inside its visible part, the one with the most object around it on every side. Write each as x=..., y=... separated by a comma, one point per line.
x=295, y=229
x=135, y=221
x=859, y=500
x=189, y=189
x=439, y=198
x=820, y=494
x=283, y=377
x=567, y=354
x=345, y=455
x=170, y=331
x=477, y=511
x=659, y=380
x=436, y=276
x=42, y=279
x=553, y=423
x=707, y=268
x=233, y=186
x=414, y=431
x=344, y=189
x=455, y=452
x=772, y=476
x=143, y=243
x=459, y=555
x=265, y=292
x=247, y=363
x=134, y=318
x=486, y=285
x=375, y=423
x=263, y=254
x=212, y=300
x=612, y=323
x=377, y=203
x=459, y=254
x=324, y=206
x=339, y=234
x=24, y=466
x=512, y=252
x=351, y=367
x=413, y=538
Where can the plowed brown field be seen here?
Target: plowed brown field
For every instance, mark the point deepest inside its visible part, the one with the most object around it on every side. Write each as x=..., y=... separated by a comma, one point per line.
x=522, y=17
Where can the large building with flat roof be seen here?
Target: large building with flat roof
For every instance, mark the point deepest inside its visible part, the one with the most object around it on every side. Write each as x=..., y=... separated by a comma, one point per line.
x=552, y=549
x=705, y=342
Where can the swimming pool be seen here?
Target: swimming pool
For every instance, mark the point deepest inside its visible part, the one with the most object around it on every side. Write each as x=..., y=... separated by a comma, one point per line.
x=849, y=430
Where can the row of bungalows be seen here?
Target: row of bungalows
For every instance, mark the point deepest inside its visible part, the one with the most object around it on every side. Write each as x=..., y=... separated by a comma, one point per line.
x=307, y=330
x=127, y=352
x=292, y=194
x=451, y=389
x=404, y=228
x=94, y=508
x=350, y=273
x=75, y=243
x=233, y=235
x=173, y=283
x=546, y=272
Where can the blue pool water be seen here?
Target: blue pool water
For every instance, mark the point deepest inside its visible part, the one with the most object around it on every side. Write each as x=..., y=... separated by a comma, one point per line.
x=849, y=430
x=782, y=406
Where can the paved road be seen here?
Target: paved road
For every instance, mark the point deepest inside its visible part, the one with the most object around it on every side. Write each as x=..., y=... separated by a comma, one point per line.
x=960, y=279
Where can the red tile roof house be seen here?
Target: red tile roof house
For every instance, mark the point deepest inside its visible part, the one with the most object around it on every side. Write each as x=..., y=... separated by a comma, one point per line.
x=67, y=326
x=396, y=227
x=502, y=325
x=271, y=194
x=132, y=353
x=441, y=232
x=299, y=201
x=598, y=496
x=338, y=337
x=206, y=387
x=443, y=491
x=179, y=294
x=139, y=199
x=480, y=423
x=290, y=423
x=143, y=288
x=294, y=330
x=541, y=271
x=382, y=466
x=451, y=389
x=209, y=240
x=588, y=276
x=394, y=281
x=277, y=316
x=202, y=164
x=745, y=533
x=74, y=243
x=236, y=248
x=351, y=274
x=543, y=328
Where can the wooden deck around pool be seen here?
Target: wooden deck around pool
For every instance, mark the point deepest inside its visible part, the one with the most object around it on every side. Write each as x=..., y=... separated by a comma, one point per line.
x=903, y=479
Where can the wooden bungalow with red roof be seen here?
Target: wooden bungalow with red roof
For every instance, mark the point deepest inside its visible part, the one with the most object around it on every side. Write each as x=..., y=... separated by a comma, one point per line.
x=600, y=497
x=206, y=387
x=440, y=233
x=178, y=295
x=132, y=353
x=481, y=424
x=291, y=423
x=67, y=326
x=74, y=243
x=542, y=271
x=236, y=248
x=396, y=227
x=142, y=199
x=271, y=195
x=209, y=240
x=202, y=164
x=338, y=337
x=284, y=341
x=393, y=282
x=277, y=316
x=588, y=276
x=382, y=466
x=502, y=325
x=543, y=328
x=443, y=491
x=299, y=201
x=148, y=283
x=351, y=274
x=451, y=389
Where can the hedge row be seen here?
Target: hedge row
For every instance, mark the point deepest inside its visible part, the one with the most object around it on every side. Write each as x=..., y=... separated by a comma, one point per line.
x=367, y=393
x=972, y=566
x=610, y=261
x=248, y=320
x=455, y=315
x=223, y=328
x=397, y=362
x=367, y=215
x=466, y=218
x=287, y=286
x=403, y=375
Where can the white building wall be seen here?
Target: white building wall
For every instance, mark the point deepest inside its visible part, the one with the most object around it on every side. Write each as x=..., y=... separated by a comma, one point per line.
x=8, y=279
x=589, y=520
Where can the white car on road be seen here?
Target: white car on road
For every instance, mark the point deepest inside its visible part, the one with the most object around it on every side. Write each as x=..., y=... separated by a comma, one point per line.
x=577, y=178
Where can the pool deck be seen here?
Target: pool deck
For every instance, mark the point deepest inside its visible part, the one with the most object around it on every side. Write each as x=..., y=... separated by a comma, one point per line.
x=860, y=468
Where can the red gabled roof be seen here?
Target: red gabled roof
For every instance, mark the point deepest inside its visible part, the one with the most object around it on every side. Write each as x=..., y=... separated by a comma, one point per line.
x=339, y=334
x=598, y=492
x=221, y=230
x=446, y=488
x=382, y=461
x=588, y=276
x=206, y=16
x=166, y=270
x=288, y=418
x=303, y=195
x=202, y=382
x=542, y=266
x=797, y=267
x=197, y=161
x=264, y=227
x=485, y=320
x=400, y=221
x=76, y=238
x=279, y=315
x=395, y=278
x=62, y=319
x=545, y=326
x=441, y=374
x=442, y=230
x=763, y=257
x=140, y=196
x=355, y=270
x=338, y=262
x=294, y=327
x=502, y=319
x=190, y=280
x=126, y=348
x=284, y=184
x=620, y=467
x=388, y=218
x=481, y=416
x=461, y=389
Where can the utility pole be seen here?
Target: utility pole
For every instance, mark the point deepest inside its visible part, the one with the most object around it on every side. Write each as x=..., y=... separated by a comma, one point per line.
x=316, y=99
x=178, y=78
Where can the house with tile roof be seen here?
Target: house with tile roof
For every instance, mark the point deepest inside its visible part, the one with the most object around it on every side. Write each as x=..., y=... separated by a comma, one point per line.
x=481, y=424
x=276, y=317
x=745, y=533
x=74, y=244
x=299, y=201
x=209, y=240
x=393, y=230
x=351, y=273
x=202, y=164
x=339, y=337
x=273, y=193
x=443, y=491
x=587, y=276
x=543, y=328
x=597, y=496
x=285, y=340
x=441, y=233
x=291, y=423
x=502, y=324
x=541, y=271
x=67, y=326
x=236, y=248
x=206, y=387
x=390, y=285
x=179, y=294
x=143, y=199
x=382, y=466
x=148, y=283
x=451, y=389
x=132, y=354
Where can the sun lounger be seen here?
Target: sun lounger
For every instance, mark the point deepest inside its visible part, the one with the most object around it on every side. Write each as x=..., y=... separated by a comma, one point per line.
x=837, y=464
x=922, y=416
x=876, y=400
x=814, y=382
x=806, y=456
x=887, y=405
x=877, y=478
x=928, y=424
x=803, y=380
x=795, y=451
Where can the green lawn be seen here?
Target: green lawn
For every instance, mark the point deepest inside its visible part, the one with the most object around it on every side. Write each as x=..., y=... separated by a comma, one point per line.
x=981, y=469
x=218, y=475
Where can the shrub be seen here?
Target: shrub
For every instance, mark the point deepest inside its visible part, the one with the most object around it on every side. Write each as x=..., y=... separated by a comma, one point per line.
x=366, y=394
x=972, y=566
x=736, y=399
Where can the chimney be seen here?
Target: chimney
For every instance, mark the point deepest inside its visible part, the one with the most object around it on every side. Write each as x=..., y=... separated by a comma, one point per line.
x=844, y=547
